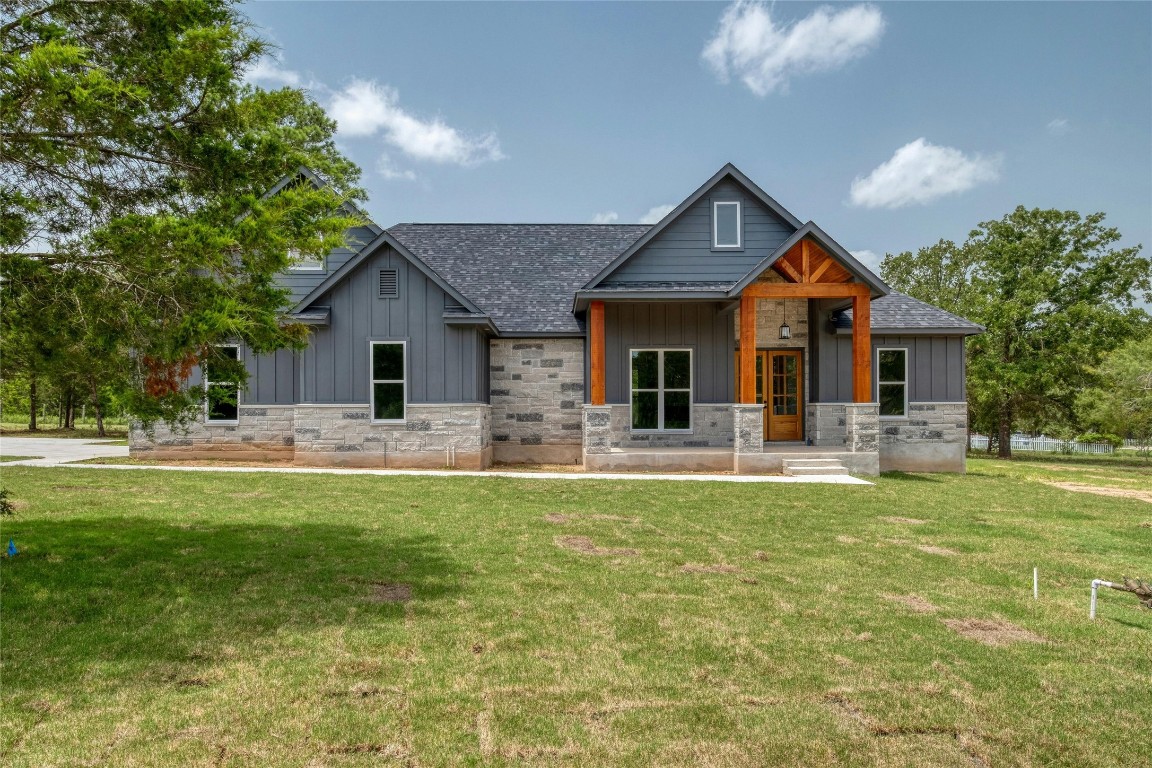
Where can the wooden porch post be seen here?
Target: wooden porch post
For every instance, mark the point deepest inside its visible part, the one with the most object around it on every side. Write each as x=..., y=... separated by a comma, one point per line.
x=862, y=348
x=747, y=349
x=596, y=350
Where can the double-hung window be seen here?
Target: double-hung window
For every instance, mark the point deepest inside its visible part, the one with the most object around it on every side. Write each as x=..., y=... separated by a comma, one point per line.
x=727, y=227
x=892, y=382
x=662, y=390
x=388, y=387
x=222, y=396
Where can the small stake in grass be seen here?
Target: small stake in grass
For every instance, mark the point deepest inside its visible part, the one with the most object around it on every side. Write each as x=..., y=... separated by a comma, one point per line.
x=11, y=548
x=1035, y=583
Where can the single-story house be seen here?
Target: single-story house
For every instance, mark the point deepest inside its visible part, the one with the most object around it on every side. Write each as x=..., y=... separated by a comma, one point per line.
x=728, y=336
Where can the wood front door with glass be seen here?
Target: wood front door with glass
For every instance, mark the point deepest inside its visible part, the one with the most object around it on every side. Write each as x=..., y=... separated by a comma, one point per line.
x=782, y=392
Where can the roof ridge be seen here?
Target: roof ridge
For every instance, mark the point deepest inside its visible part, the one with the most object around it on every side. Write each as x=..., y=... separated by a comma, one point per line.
x=507, y=224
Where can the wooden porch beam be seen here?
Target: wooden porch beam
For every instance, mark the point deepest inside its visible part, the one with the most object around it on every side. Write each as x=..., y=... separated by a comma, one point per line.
x=782, y=262
x=820, y=270
x=806, y=260
x=747, y=349
x=806, y=290
x=862, y=349
x=596, y=350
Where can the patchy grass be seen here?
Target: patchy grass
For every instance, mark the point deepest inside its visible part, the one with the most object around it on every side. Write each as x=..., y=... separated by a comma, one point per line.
x=18, y=458
x=255, y=619
x=82, y=432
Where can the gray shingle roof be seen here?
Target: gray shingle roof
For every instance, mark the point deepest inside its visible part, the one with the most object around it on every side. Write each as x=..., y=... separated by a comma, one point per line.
x=899, y=311
x=523, y=275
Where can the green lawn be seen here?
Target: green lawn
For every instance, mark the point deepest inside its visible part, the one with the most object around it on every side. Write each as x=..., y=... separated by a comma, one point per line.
x=18, y=458
x=213, y=619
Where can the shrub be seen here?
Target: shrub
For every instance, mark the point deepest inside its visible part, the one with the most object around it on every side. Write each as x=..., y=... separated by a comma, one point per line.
x=1098, y=437
x=6, y=506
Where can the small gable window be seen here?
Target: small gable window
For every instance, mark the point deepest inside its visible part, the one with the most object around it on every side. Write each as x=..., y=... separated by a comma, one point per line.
x=389, y=285
x=305, y=263
x=727, y=224
x=222, y=404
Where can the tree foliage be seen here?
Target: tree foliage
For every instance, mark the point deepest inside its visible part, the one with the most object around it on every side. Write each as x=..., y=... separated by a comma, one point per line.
x=1054, y=292
x=1122, y=403
x=137, y=230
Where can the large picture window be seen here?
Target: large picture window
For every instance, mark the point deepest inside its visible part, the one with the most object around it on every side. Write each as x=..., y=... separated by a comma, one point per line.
x=223, y=396
x=662, y=389
x=388, y=381
x=892, y=382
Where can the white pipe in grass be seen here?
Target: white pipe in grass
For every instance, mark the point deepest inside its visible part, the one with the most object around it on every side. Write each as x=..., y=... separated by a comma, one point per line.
x=1096, y=583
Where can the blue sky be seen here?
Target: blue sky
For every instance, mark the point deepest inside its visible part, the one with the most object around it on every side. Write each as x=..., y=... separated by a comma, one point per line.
x=891, y=125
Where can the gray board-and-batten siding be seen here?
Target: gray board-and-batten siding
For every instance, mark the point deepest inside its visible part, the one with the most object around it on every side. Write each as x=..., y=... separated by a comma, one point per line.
x=683, y=250
x=445, y=363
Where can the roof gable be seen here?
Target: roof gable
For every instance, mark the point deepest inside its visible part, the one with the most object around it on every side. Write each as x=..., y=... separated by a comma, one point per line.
x=844, y=266
x=680, y=243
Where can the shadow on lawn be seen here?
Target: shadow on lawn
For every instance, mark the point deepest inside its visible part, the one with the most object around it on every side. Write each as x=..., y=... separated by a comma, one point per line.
x=128, y=592
x=910, y=477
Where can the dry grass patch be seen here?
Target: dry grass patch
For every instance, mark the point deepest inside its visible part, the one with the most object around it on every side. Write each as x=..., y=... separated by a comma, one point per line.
x=1099, y=490
x=913, y=602
x=586, y=546
x=563, y=519
x=386, y=592
x=904, y=520
x=994, y=632
x=847, y=539
x=932, y=549
x=714, y=568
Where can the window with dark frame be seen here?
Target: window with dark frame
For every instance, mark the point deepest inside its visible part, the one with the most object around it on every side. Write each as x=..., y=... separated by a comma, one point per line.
x=222, y=397
x=388, y=384
x=661, y=390
x=892, y=382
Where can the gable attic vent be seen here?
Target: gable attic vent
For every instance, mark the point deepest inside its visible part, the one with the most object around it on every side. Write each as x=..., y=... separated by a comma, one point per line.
x=389, y=285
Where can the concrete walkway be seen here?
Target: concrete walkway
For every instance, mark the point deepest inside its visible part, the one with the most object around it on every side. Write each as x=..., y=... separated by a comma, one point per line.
x=58, y=452
x=55, y=450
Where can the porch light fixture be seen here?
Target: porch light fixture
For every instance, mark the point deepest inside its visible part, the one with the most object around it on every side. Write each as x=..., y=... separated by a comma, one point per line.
x=785, y=331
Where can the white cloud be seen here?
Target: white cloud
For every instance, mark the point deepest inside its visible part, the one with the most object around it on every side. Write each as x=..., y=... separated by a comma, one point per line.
x=749, y=45
x=607, y=217
x=655, y=214
x=1059, y=126
x=920, y=172
x=868, y=258
x=386, y=168
x=364, y=108
x=269, y=72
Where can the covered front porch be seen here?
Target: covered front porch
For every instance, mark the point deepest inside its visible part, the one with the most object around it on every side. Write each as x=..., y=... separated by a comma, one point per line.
x=696, y=385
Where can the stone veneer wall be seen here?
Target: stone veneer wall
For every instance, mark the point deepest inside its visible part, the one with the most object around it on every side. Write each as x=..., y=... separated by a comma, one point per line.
x=537, y=391
x=433, y=435
x=711, y=428
x=261, y=432
x=826, y=424
x=933, y=438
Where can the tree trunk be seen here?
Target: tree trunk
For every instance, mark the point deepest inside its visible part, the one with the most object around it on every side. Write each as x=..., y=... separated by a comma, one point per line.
x=32, y=411
x=1005, y=429
x=69, y=411
x=96, y=407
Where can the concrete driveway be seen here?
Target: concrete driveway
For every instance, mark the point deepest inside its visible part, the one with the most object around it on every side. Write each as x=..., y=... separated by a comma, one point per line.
x=56, y=450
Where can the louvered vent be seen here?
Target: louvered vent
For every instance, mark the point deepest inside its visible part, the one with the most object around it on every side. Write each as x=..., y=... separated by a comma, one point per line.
x=389, y=286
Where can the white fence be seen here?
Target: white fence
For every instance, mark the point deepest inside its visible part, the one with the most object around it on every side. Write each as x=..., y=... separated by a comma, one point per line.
x=1041, y=444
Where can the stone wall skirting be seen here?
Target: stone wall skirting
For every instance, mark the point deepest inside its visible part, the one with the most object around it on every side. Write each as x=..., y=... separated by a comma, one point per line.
x=932, y=439
x=266, y=430
x=748, y=428
x=432, y=435
x=826, y=424
x=537, y=390
x=711, y=428
x=862, y=425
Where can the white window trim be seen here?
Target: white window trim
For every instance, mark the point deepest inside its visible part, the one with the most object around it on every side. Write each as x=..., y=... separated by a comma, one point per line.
x=372, y=382
x=904, y=382
x=208, y=383
x=660, y=390
x=739, y=246
x=307, y=266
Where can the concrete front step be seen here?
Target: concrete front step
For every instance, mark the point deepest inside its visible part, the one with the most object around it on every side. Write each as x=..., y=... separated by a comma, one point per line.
x=810, y=466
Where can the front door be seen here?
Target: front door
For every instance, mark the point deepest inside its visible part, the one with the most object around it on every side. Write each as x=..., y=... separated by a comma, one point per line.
x=782, y=418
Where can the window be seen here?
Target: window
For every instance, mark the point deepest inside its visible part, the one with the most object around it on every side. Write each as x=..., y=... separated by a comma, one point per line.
x=892, y=382
x=662, y=389
x=389, y=285
x=726, y=225
x=387, y=381
x=304, y=263
x=223, y=397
